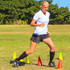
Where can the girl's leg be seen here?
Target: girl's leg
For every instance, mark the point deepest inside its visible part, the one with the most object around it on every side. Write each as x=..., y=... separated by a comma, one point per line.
x=49, y=42
x=24, y=54
x=30, y=51
x=32, y=48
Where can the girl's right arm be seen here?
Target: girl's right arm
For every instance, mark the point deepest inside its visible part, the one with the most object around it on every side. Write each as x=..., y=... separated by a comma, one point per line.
x=34, y=24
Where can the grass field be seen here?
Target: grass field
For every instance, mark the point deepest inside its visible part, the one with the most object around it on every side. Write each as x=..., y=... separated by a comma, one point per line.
x=17, y=38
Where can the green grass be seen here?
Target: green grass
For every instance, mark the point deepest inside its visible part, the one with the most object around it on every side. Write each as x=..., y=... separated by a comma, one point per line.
x=17, y=38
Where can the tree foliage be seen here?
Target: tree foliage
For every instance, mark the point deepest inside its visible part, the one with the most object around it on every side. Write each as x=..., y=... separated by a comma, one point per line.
x=12, y=10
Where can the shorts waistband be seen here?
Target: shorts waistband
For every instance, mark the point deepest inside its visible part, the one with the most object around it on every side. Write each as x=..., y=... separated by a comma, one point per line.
x=40, y=35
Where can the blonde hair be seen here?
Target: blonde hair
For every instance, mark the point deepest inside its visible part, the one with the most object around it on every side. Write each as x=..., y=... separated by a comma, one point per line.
x=43, y=2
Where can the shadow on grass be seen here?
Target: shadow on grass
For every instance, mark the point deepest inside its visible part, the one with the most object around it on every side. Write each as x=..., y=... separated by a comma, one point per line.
x=23, y=63
x=42, y=65
x=39, y=65
x=20, y=63
x=57, y=58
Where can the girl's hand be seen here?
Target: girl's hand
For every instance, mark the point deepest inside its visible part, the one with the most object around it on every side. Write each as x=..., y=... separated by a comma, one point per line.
x=48, y=33
x=42, y=25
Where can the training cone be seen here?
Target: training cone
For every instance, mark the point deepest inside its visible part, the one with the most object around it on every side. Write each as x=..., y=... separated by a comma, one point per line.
x=39, y=61
x=60, y=64
x=27, y=60
x=60, y=56
x=14, y=56
x=21, y=60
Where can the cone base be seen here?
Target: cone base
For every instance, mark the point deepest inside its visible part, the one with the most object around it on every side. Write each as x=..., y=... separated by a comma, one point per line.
x=60, y=68
x=60, y=64
x=27, y=60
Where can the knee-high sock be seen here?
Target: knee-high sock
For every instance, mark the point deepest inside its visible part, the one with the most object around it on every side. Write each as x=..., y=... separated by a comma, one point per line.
x=23, y=55
x=52, y=56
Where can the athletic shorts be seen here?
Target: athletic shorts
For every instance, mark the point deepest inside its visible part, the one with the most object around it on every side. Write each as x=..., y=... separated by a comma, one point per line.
x=39, y=38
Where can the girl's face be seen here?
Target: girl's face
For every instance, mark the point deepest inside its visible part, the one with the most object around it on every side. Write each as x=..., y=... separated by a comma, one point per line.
x=45, y=8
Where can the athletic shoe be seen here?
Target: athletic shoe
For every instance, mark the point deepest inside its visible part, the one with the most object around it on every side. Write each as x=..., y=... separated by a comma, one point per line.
x=52, y=64
x=16, y=63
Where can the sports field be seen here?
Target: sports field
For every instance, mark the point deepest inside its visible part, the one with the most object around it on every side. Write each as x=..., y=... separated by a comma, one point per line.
x=17, y=38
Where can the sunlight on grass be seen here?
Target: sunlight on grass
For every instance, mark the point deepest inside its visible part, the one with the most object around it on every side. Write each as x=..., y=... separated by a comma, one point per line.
x=17, y=38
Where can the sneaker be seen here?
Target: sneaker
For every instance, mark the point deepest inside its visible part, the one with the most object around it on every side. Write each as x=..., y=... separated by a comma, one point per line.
x=52, y=64
x=15, y=63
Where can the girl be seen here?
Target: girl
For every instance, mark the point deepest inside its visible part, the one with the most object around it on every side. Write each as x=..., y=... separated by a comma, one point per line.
x=41, y=34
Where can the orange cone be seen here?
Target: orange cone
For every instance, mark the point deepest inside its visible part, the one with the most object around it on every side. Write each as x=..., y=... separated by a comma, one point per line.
x=60, y=64
x=39, y=61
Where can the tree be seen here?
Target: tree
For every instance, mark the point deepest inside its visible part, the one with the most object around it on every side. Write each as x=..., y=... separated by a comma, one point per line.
x=19, y=9
x=63, y=13
x=53, y=9
x=11, y=10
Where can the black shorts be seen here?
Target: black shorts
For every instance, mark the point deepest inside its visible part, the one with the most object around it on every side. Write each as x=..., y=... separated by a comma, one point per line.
x=39, y=38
